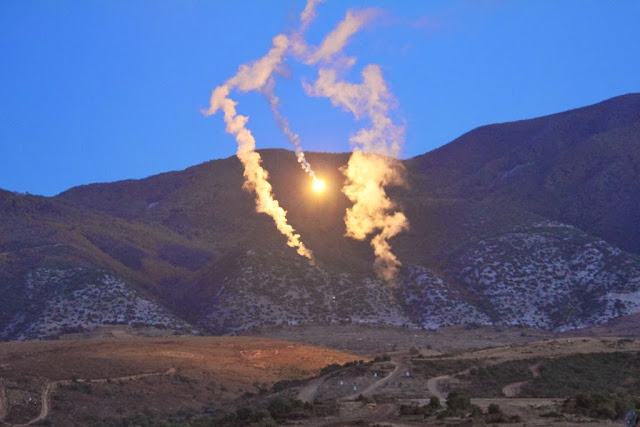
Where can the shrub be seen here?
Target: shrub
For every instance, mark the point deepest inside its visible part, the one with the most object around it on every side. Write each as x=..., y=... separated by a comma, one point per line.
x=459, y=401
x=283, y=407
x=476, y=411
x=602, y=406
x=365, y=399
x=434, y=403
x=329, y=369
x=245, y=415
x=411, y=410
x=494, y=408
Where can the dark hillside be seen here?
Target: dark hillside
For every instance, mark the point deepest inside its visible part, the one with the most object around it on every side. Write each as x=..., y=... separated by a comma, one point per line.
x=531, y=223
x=581, y=167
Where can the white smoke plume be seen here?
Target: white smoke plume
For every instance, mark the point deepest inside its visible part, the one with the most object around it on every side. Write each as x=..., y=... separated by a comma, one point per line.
x=308, y=14
x=330, y=50
x=373, y=165
x=250, y=77
x=334, y=42
x=283, y=124
x=298, y=47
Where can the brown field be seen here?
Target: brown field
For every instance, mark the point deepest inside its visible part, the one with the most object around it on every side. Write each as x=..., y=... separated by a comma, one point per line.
x=148, y=381
x=162, y=376
x=371, y=340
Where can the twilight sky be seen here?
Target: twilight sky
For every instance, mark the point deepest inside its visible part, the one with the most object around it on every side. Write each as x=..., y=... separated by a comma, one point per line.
x=103, y=90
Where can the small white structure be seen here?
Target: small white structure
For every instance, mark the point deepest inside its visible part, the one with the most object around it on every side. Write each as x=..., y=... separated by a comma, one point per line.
x=355, y=388
x=408, y=374
x=341, y=382
x=375, y=374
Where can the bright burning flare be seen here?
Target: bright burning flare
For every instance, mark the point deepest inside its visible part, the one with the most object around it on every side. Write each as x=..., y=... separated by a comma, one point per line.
x=318, y=185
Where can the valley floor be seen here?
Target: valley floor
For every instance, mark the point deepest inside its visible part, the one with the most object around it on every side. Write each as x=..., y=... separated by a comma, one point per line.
x=506, y=376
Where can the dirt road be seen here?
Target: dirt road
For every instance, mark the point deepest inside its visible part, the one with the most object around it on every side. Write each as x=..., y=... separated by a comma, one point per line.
x=308, y=393
x=513, y=389
x=433, y=385
x=51, y=386
x=400, y=367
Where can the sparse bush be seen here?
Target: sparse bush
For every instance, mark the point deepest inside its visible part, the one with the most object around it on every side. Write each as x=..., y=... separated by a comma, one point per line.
x=459, y=401
x=489, y=381
x=434, y=403
x=365, y=399
x=476, y=411
x=283, y=407
x=329, y=369
x=246, y=415
x=459, y=405
x=602, y=406
x=494, y=408
x=81, y=387
x=608, y=373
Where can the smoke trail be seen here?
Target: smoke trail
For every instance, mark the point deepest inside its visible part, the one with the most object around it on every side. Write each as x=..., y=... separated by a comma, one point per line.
x=373, y=165
x=298, y=47
x=367, y=174
x=330, y=50
x=283, y=124
x=255, y=76
x=308, y=14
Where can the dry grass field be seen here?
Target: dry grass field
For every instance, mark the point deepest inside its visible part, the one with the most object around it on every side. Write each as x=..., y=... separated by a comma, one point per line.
x=96, y=379
x=191, y=381
x=372, y=340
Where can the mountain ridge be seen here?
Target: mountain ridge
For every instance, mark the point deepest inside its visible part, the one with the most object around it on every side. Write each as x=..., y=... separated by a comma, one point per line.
x=498, y=217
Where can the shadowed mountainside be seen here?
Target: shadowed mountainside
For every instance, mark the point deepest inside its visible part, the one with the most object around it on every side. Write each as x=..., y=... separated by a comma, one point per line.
x=535, y=222
x=580, y=167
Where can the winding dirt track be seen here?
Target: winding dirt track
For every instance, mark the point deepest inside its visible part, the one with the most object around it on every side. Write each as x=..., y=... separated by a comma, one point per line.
x=513, y=389
x=308, y=393
x=400, y=367
x=50, y=386
x=433, y=385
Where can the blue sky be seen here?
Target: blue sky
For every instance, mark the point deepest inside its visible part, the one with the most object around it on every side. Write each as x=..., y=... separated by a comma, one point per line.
x=95, y=91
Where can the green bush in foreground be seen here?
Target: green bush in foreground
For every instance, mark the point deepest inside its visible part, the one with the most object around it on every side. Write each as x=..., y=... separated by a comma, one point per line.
x=602, y=406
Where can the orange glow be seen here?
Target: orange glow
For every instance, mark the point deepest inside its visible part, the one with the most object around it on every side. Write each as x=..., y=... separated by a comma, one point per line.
x=318, y=186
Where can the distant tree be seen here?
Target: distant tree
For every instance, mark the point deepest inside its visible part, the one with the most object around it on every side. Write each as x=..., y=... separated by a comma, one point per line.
x=459, y=401
x=434, y=403
x=494, y=408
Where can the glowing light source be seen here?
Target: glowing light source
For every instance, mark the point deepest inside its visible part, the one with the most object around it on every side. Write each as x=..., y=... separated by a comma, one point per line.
x=318, y=185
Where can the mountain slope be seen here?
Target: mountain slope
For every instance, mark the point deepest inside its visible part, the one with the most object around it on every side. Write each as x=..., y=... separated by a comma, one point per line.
x=581, y=167
x=508, y=223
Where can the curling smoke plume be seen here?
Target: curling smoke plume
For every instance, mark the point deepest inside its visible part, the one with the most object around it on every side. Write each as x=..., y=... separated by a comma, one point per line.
x=251, y=77
x=330, y=50
x=283, y=124
x=373, y=164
